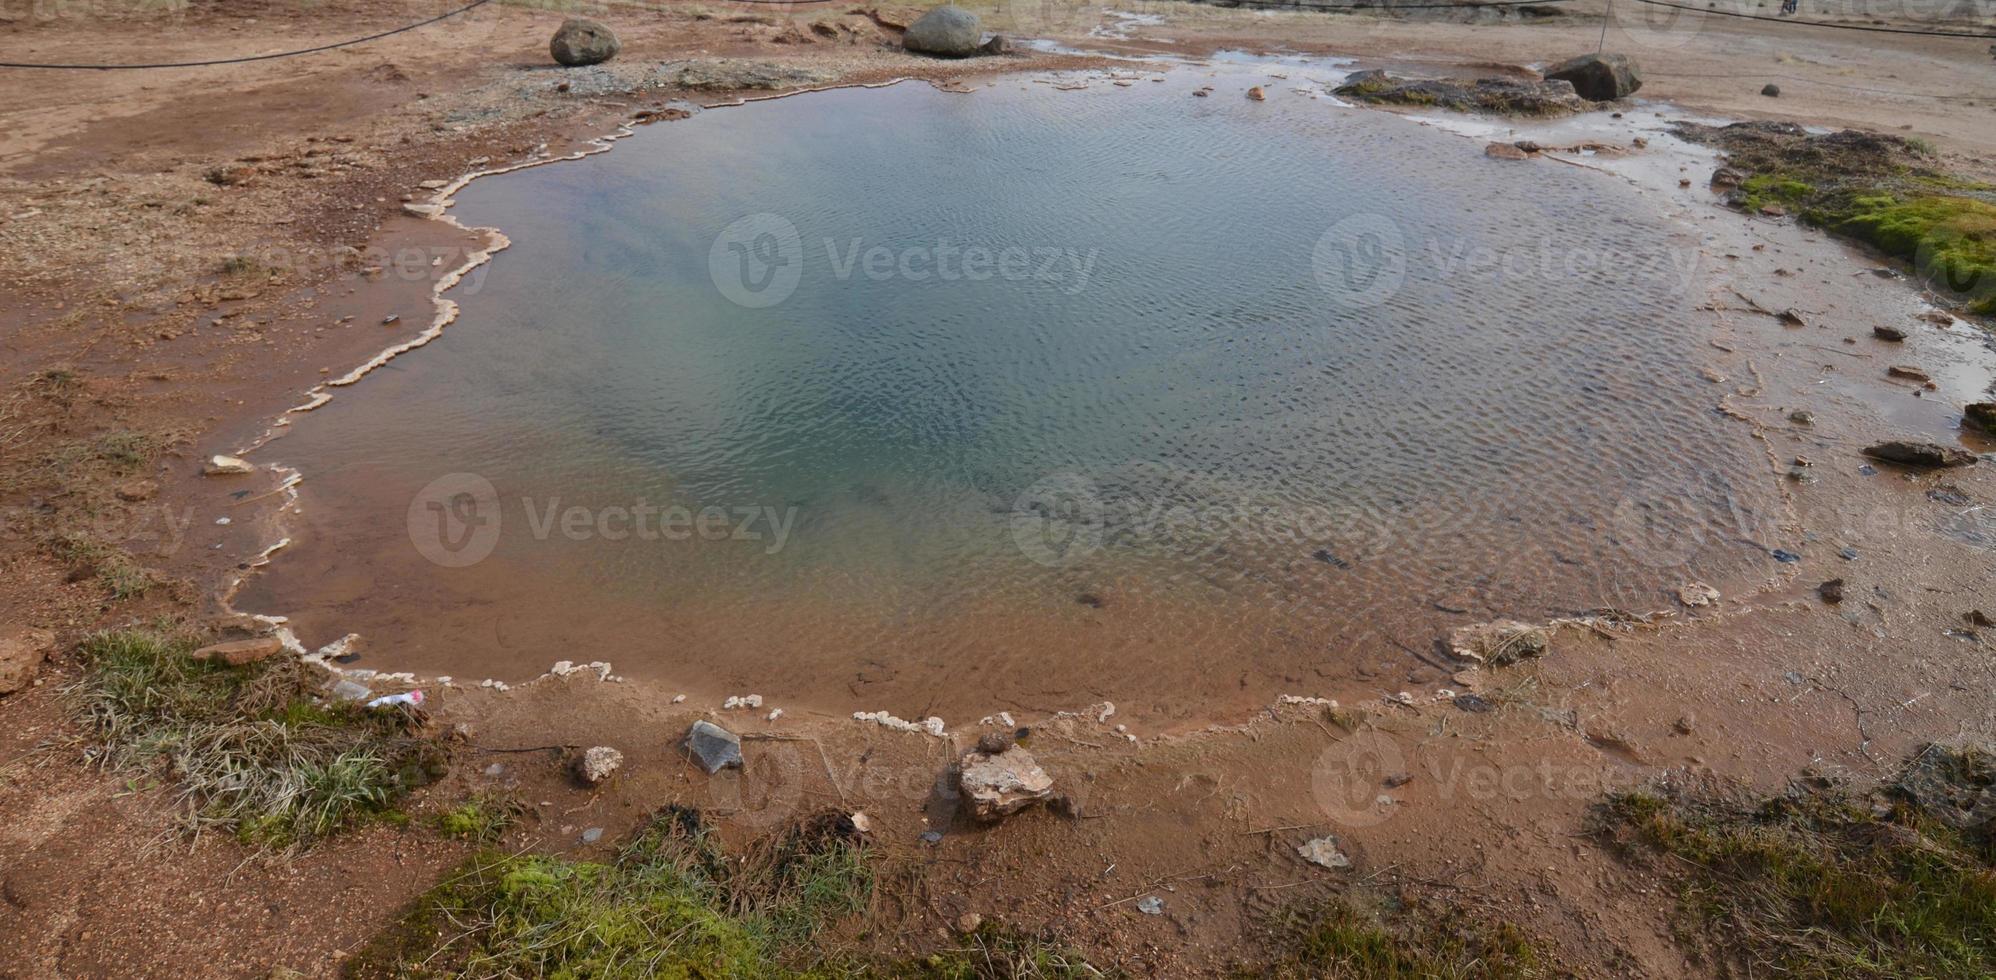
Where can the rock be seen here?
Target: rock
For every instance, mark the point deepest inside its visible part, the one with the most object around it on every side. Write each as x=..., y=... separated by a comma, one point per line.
x=238, y=653
x=1770, y=90
x=1908, y=452
x=996, y=743
x=996, y=786
x=1397, y=780
x=1696, y=594
x=1150, y=905
x=999, y=44
x=1505, y=151
x=1323, y=852
x=1502, y=96
x=227, y=466
x=592, y=835
x=581, y=41
x=137, y=491
x=1831, y=591
x=598, y=764
x=733, y=75
x=1257, y=94
x=968, y=922
x=948, y=31
x=1598, y=77
x=1908, y=372
x=714, y=748
x=1893, y=334
x=1801, y=417
x=1499, y=642
x=1685, y=724
x=1982, y=415
x=1474, y=704
x=1727, y=177
x=22, y=650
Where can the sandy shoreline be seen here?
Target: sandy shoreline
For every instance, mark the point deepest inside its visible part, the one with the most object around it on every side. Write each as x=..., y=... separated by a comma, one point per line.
x=1876, y=677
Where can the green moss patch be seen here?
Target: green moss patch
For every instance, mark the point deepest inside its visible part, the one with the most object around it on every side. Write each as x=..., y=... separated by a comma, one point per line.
x=1821, y=884
x=250, y=749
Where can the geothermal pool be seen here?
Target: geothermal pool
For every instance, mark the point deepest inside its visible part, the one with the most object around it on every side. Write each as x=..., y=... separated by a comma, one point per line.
x=949, y=403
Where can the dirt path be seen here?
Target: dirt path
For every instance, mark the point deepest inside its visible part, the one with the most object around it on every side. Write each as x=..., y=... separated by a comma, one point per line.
x=180, y=250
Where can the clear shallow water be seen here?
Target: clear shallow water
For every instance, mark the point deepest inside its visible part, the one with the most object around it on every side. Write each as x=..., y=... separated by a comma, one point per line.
x=1025, y=398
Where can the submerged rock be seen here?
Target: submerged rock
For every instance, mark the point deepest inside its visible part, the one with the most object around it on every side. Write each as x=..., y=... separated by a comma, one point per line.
x=995, y=786
x=1981, y=415
x=1598, y=77
x=948, y=31
x=1498, y=642
x=714, y=748
x=1501, y=96
x=1909, y=452
x=581, y=41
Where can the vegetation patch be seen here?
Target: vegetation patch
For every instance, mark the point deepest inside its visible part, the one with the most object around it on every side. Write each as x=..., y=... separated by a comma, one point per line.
x=1349, y=939
x=1819, y=883
x=482, y=820
x=251, y=749
x=669, y=904
x=1882, y=190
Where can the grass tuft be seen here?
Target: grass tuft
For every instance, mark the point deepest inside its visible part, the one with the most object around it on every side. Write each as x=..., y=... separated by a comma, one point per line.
x=1818, y=885
x=250, y=749
x=481, y=820
x=1342, y=939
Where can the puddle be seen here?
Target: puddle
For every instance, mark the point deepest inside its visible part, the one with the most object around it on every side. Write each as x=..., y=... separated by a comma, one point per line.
x=945, y=403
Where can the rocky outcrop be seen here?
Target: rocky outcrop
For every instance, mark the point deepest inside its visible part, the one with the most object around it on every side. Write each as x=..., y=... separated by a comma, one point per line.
x=1909, y=452
x=581, y=41
x=1598, y=77
x=1981, y=415
x=997, y=785
x=22, y=650
x=948, y=31
x=1499, y=96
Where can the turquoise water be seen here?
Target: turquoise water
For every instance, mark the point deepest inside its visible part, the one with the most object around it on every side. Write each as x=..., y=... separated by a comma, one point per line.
x=1028, y=397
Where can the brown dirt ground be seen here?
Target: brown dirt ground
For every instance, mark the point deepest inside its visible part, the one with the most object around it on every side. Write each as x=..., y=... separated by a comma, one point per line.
x=112, y=256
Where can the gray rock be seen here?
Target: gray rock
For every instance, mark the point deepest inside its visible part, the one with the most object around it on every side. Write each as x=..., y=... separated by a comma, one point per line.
x=22, y=650
x=1982, y=415
x=592, y=835
x=714, y=748
x=1908, y=452
x=999, y=44
x=996, y=786
x=947, y=31
x=1323, y=852
x=1771, y=90
x=1599, y=77
x=581, y=41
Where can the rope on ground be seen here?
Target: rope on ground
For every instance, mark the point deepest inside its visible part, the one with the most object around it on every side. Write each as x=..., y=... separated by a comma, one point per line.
x=255, y=57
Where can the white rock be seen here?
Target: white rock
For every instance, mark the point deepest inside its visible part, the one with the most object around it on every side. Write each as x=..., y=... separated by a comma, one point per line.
x=1324, y=852
x=227, y=466
x=997, y=786
x=598, y=763
x=1696, y=594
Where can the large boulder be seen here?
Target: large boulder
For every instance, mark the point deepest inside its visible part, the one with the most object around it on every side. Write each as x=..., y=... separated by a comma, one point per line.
x=1599, y=77
x=581, y=41
x=947, y=31
x=996, y=785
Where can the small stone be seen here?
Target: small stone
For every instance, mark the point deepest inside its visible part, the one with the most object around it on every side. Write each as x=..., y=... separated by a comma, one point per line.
x=1686, y=724
x=714, y=748
x=1505, y=151
x=1727, y=177
x=995, y=743
x=1800, y=417
x=1474, y=704
x=227, y=466
x=968, y=922
x=598, y=764
x=932, y=837
x=998, y=44
x=1770, y=90
x=1909, y=372
x=1907, y=452
x=1981, y=415
x=240, y=653
x=1257, y=94
x=1150, y=905
x=1324, y=853
x=1398, y=780
x=861, y=822
x=1831, y=591
x=592, y=835
x=1784, y=556
x=1893, y=334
